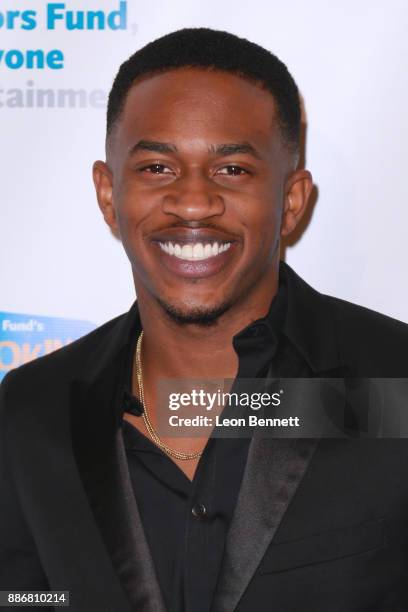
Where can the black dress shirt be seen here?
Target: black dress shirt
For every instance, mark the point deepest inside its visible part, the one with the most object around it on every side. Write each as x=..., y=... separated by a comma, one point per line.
x=185, y=521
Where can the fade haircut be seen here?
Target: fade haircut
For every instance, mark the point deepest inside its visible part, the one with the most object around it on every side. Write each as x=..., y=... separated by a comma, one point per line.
x=217, y=50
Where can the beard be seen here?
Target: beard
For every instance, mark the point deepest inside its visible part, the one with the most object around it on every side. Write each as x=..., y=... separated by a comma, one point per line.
x=198, y=315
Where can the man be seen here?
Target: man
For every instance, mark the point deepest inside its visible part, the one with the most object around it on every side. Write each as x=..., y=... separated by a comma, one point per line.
x=201, y=180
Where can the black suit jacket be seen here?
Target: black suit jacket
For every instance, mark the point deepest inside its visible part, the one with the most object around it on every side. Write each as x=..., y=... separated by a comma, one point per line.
x=320, y=525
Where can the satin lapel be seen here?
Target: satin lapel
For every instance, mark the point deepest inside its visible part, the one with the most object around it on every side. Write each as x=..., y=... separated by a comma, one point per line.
x=101, y=459
x=275, y=467
x=274, y=470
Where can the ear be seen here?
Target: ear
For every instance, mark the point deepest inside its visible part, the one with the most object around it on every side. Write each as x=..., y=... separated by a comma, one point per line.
x=298, y=188
x=103, y=181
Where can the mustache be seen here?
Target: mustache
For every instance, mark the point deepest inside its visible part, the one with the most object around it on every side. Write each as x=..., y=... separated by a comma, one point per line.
x=193, y=230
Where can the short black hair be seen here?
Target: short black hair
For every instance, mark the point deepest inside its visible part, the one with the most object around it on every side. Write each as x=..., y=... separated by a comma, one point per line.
x=218, y=50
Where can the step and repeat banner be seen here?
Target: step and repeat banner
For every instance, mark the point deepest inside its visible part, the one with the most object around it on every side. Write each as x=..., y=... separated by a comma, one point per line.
x=63, y=273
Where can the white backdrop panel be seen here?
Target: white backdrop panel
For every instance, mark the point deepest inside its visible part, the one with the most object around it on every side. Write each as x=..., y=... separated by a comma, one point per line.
x=349, y=60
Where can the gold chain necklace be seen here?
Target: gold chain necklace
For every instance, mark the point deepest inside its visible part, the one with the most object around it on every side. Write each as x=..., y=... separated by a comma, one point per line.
x=169, y=451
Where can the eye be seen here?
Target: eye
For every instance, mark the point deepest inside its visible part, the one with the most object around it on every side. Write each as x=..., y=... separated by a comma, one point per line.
x=232, y=170
x=157, y=169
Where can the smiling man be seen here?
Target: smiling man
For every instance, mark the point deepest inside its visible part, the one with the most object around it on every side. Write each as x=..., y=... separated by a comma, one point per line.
x=201, y=181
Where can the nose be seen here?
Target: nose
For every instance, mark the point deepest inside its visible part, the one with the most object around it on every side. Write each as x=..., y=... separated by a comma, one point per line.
x=193, y=198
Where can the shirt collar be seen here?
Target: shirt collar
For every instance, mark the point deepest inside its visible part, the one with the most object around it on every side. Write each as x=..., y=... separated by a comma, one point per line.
x=270, y=326
x=256, y=344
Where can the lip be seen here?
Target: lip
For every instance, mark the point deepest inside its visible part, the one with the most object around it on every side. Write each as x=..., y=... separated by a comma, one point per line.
x=194, y=269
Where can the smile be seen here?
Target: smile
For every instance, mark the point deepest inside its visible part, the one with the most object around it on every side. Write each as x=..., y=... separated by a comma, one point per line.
x=194, y=251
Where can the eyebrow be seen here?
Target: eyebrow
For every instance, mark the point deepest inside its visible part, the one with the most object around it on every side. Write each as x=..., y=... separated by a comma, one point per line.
x=224, y=149
x=234, y=148
x=153, y=145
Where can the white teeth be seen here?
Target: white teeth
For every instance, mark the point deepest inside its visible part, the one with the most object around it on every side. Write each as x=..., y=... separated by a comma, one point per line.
x=198, y=251
x=207, y=250
x=194, y=251
x=187, y=252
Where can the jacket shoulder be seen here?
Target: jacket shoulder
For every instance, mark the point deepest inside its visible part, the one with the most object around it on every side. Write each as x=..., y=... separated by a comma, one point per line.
x=348, y=314
x=367, y=336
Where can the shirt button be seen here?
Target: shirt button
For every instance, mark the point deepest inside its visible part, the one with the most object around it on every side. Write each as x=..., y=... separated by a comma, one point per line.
x=199, y=511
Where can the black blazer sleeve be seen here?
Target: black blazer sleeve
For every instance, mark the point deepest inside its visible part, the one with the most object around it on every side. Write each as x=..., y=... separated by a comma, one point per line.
x=20, y=566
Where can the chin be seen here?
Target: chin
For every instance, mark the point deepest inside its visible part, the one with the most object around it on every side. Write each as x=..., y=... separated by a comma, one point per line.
x=199, y=314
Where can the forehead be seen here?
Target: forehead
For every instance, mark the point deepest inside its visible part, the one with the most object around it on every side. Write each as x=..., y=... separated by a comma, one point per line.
x=190, y=105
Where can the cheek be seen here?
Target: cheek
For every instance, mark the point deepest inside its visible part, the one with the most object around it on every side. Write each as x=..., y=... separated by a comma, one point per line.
x=261, y=218
x=270, y=211
x=132, y=209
